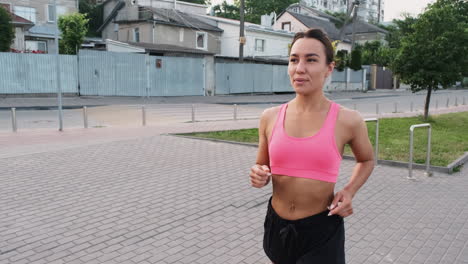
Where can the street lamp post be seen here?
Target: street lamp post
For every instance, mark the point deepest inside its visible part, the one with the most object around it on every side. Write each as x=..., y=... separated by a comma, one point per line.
x=57, y=69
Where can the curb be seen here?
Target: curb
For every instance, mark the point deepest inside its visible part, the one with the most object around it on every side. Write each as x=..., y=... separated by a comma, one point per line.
x=447, y=170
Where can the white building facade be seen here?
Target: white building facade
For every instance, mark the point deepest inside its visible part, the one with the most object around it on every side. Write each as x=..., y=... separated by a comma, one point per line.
x=369, y=10
x=261, y=41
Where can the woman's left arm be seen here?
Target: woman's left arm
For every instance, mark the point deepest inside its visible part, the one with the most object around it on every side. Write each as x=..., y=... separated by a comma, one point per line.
x=364, y=155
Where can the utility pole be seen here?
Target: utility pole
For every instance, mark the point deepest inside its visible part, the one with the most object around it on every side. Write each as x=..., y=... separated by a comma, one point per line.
x=57, y=69
x=241, y=37
x=351, y=9
x=355, y=19
x=379, y=9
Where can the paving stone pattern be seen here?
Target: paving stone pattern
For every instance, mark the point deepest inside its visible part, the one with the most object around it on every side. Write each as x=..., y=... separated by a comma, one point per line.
x=166, y=199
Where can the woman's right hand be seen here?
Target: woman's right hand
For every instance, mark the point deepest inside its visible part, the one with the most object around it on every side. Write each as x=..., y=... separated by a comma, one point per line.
x=259, y=175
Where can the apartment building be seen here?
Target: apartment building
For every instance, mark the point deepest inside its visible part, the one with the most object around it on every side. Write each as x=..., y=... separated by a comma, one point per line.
x=368, y=11
x=39, y=14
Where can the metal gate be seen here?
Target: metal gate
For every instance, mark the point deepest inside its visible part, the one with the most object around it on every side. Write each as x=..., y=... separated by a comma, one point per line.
x=235, y=78
x=130, y=74
x=176, y=76
x=384, y=78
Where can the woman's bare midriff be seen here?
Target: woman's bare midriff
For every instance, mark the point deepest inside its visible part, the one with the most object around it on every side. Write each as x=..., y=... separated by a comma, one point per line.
x=295, y=198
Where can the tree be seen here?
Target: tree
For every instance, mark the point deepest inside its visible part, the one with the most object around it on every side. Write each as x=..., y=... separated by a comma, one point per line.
x=399, y=29
x=254, y=9
x=435, y=55
x=74, y=28
x=7, y=34
x=226, y=10
x=94, y=12
x=339, y=20
x=341, y=60
x=374, y=52
x=356, y=59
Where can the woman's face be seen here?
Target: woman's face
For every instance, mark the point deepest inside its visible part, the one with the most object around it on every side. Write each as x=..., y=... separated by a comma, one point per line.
x=308, y=68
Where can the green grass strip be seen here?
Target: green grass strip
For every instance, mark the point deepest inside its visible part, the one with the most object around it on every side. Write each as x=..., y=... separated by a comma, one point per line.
x=449, y=138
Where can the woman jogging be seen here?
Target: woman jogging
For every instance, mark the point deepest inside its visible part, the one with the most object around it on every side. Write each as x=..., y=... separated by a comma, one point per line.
x=300, y=150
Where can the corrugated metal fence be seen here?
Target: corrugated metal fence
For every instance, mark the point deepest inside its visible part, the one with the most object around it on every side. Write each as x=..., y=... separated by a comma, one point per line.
x=36, y=73
x=129, y=74
x=232, y=78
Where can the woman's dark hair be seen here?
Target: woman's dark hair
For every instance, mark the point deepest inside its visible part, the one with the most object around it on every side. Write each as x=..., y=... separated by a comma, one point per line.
x=319, y=35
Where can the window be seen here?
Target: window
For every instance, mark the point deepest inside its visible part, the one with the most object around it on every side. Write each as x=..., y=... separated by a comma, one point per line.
x=25, y=12
x=181, y=35
x=51, y=12
x=136, y=34
x=259, y=45
x=33, y=45
x=201, y=40
x=286, y=26
x=42, y=46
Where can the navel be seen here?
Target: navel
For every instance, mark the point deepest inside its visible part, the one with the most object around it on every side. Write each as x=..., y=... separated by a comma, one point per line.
x=292, y=207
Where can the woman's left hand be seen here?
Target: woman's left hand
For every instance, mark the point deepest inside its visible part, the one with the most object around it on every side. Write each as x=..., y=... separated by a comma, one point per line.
x=342, y=204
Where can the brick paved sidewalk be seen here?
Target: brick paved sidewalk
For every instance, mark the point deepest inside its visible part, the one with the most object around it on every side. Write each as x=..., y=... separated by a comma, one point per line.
x=133, y=195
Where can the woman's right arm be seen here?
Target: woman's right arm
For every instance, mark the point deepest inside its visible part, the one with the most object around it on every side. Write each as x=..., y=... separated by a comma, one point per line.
x=260, y=172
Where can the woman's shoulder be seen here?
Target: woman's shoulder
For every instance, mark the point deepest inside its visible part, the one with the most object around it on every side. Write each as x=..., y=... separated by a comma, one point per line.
x=270, y=113
x=348, y=117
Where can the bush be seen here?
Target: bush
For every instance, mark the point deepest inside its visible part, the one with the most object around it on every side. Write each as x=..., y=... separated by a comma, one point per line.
x=341, y=60
x=356, y=60
x=7, y=33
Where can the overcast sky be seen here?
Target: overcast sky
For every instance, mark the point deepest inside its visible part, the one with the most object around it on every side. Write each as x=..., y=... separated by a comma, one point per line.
x=393, y=8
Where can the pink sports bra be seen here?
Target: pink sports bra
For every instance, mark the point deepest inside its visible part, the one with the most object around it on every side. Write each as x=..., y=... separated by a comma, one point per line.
x=315, y=157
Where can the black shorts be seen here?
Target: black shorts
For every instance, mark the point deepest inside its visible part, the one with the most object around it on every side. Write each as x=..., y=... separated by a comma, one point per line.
x=315, y=239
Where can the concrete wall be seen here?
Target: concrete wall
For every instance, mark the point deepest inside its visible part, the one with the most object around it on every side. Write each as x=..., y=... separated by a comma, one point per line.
x=163, y=34
x=126, y=32
x=185, y=37
x=109, y=32
x=128, y=12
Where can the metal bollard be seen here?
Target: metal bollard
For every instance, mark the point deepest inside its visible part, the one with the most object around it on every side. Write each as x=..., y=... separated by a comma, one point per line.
x=456, y=101
x=464, y=102
x=235, y=112
x=437, y=104
x=193, y=113
x=377, y=109
x=428, y=154
x=396, y=107
x=85, y=116
x=143, y=112
x=355, y=108
x=447, y=103
x=411, y=107
x=13, y=119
